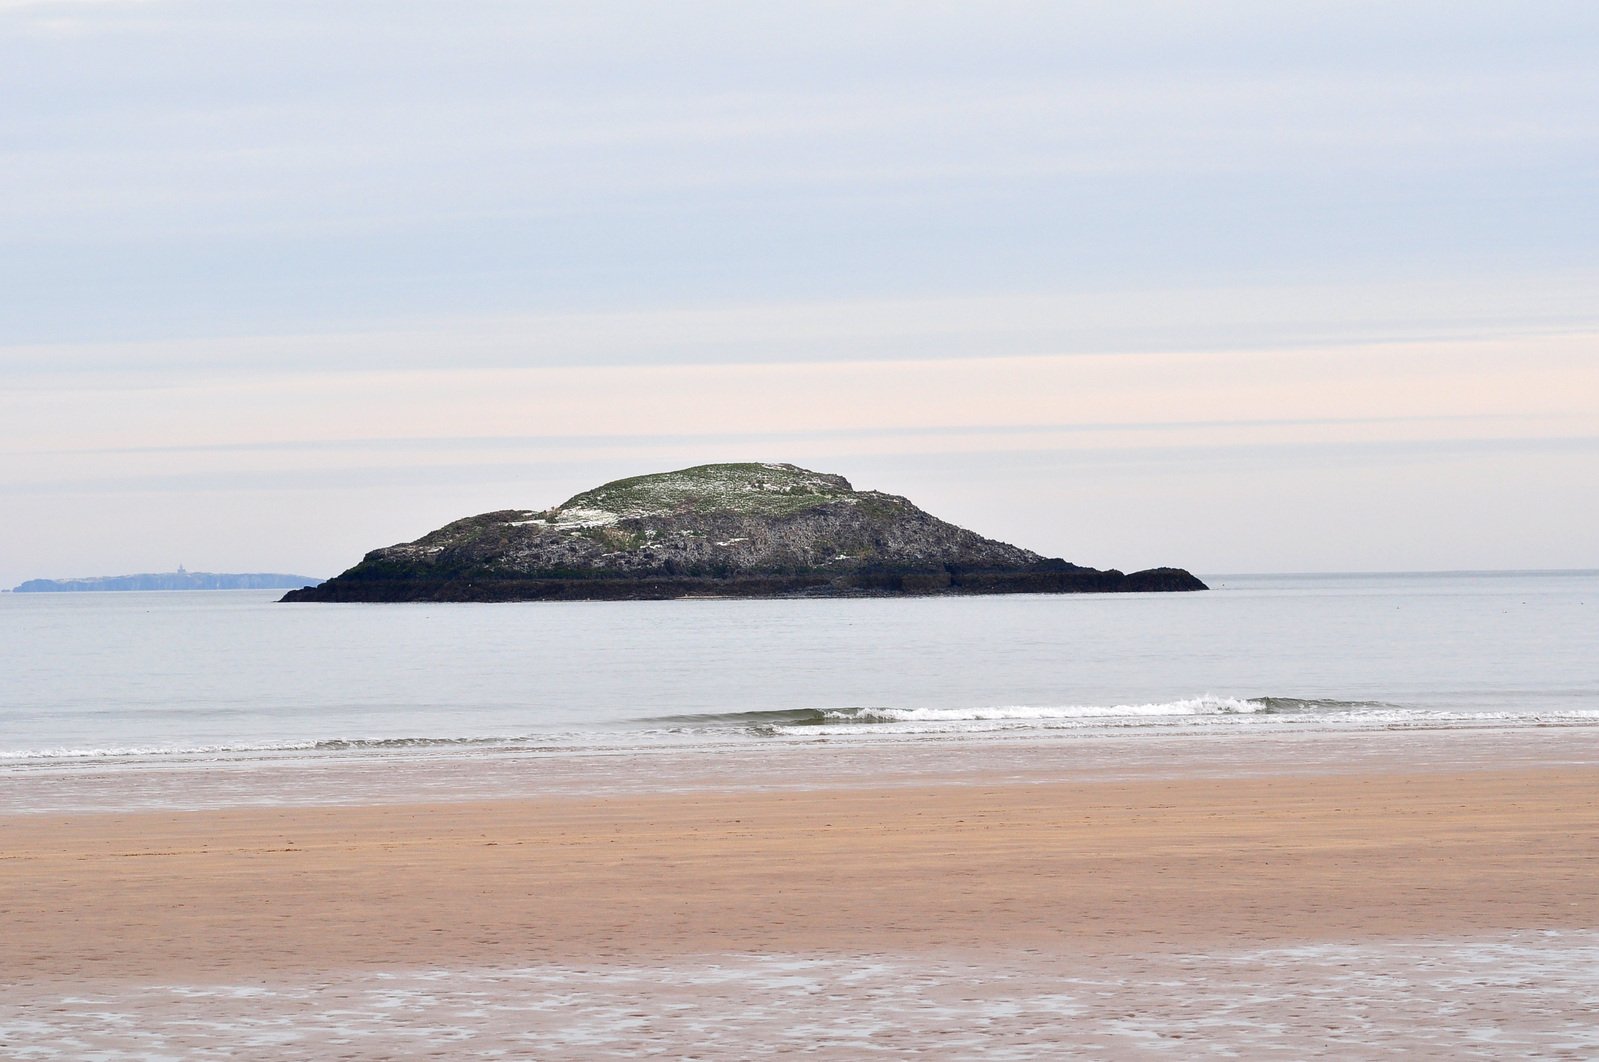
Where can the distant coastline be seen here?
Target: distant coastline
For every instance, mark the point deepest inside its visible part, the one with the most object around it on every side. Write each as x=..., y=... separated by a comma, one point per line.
x=178, y=580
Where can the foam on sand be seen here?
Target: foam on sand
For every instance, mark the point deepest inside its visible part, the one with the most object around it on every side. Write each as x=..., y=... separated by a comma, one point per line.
x=1525, y=994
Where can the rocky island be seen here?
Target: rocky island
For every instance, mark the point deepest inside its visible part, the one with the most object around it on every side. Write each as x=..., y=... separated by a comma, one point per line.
x=733, y=530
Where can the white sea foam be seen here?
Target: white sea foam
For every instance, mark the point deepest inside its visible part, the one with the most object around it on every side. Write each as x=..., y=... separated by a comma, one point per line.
x=1206, y=705
x=1204, y=714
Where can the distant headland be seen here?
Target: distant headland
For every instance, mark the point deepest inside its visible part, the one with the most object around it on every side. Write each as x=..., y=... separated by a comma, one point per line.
x=730, y=530
x=178, y=580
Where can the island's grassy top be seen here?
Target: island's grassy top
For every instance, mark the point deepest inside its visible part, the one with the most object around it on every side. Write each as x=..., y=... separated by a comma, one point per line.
x=753, y=489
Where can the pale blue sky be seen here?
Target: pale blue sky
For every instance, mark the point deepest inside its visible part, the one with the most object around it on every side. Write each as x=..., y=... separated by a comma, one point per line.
x=1237, y=286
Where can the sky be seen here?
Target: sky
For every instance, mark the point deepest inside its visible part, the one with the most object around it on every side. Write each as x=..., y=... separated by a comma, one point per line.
x=1233, y=286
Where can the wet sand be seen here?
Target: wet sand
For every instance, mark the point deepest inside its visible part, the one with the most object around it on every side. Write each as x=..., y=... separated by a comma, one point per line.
x=1157, y=865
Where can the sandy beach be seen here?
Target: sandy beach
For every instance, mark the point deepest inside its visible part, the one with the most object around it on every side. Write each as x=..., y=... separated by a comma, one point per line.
x=1112, y=866
x=1290, y=897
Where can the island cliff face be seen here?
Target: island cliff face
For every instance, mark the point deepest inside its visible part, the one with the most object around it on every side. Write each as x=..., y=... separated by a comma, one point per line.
x=737, y=530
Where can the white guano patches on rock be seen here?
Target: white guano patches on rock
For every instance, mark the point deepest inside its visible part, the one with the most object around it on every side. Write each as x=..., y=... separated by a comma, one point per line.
x=579, y=516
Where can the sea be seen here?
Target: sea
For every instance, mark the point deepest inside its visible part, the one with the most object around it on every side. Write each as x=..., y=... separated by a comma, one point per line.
x=156, y=680
x=182, y=700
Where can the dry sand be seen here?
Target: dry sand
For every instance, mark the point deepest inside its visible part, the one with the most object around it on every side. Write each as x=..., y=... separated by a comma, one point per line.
x=1104, y=867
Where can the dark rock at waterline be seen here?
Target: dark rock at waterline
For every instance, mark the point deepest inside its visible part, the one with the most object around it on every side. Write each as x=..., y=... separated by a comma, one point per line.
x=737, y=530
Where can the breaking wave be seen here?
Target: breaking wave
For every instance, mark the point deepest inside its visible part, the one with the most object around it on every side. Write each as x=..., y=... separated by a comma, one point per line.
x=1202, y=712
x=1193, y=706
x=1208, y=713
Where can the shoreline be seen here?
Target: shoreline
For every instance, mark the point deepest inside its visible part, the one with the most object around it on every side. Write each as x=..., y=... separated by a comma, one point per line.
x=388, y=776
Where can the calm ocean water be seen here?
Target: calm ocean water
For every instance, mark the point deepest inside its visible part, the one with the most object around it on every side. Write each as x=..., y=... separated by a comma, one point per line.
x=148, y=677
